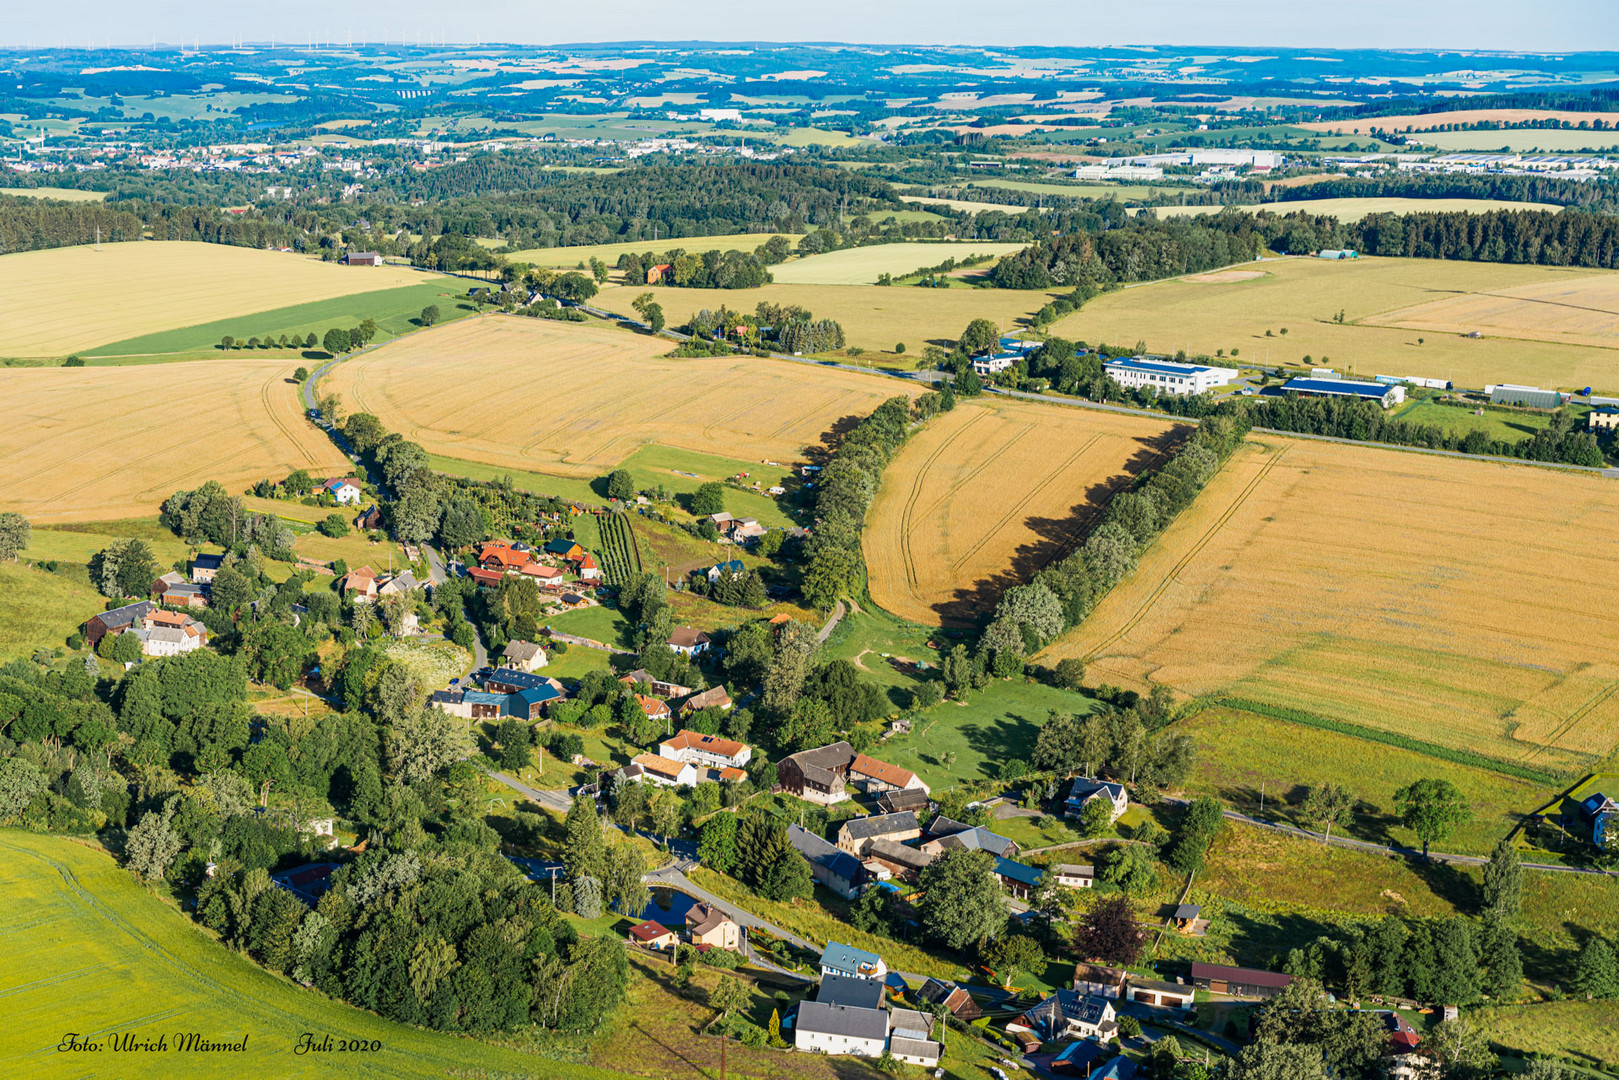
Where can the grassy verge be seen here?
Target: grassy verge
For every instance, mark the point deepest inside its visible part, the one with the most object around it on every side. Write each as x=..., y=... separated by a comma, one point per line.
x=1584, y=1031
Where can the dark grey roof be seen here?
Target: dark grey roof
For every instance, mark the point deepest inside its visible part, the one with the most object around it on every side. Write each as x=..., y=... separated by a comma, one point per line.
x=1188, y=911
x=821, y=1018
x=876, y=825
x=943, y=826
x=823, y=854
x=855, y=993
x=979, y=839
x=834, y=756
x=520, y=679
x=921, y=1048
x=889, y=851
x=123, y=616
x=918, y=1024
x=208, y=562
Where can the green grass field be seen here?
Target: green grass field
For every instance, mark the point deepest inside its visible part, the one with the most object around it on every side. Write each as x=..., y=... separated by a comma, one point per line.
x=1078, y=190
x=1587, y=1031
x=1497, y=425
x=75, y=546
x=862, y=265
x=651, y=466
x=603, y=624
x=84, y=948
x=1237, y=752
x=41, y=610
x=396, y=311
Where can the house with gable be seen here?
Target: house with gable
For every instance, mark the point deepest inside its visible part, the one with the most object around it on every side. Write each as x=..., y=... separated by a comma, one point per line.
x=1085, y=790
x=835, y=869
x=344, y=489
x=1068, y=1014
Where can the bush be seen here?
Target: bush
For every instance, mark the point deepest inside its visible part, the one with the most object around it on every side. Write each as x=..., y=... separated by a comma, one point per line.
x=334, y=525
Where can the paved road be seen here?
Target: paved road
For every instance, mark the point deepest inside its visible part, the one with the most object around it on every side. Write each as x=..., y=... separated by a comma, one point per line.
x=831, y=623
x=553, y=800
x=1390, y=850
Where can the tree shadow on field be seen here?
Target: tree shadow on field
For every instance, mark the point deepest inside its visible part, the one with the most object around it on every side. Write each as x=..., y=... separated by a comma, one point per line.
x=1451, y=883
x=1007, y=738
x=1262, y=940
x=1054, y=537
x=820, y=453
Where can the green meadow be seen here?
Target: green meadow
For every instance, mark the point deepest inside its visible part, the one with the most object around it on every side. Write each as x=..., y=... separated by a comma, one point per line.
x=396, y=311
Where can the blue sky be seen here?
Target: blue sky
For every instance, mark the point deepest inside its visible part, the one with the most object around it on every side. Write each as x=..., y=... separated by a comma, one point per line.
x=1547, y=25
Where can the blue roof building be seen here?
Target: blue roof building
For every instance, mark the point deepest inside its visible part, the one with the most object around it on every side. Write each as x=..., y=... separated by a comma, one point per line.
x=1381, y=393
x=840, y=959
x=1017, y=878
x=1166, y=377
x=528, y=704
x=510, y=680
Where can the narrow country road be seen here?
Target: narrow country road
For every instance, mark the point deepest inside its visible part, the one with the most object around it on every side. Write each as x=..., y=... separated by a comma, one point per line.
x=1390, y=850
x=551, y=800
x=831, y=623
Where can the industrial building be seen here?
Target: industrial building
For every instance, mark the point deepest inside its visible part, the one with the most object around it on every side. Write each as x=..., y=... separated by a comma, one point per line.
x=1167, y=377
x=1382, y=393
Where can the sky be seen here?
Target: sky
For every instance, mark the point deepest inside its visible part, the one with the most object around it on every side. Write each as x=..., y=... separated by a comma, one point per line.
x=1506, y=25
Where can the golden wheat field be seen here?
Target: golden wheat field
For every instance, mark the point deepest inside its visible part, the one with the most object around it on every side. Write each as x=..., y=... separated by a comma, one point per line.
x=986, y=495
x=873, y=316
x=56, y=301
x=575, y=400
x=1454, y=601
x=95, y=444
x=1303, y=295
x=1571, y=309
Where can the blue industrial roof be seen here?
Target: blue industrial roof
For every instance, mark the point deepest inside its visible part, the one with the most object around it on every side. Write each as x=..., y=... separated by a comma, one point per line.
x=1343, y=387
x=1155, y=367
x=538, y=695
x=523, y=680
x=731, y=566
x=1006, y=868
x=480, y=697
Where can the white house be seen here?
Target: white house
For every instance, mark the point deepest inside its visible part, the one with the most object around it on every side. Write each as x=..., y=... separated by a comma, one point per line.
x=1074, y=875
x=840, y=959
x=1086, y=789
x=165, y=640
x=345, y=490
x=687, y=641
x=661, y=771
x=841, y=1029
x=706, y=750
x=1167, y=377
x=994, y=365
x=524, y=656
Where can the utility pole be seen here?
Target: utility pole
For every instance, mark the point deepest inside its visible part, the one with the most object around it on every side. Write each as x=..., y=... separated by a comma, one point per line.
x=1262, y=796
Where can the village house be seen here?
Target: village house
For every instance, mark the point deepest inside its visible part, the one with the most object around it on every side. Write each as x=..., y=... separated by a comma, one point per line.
x=169, y=633
x=688, y=642
x=890, y=802
x=956, y=1001
x=822, y=775
x=1601, y=812
x=733, y=567
x=510, y=681
x=840, y=959
x=662, y=771
x=359, y=585
x=745, y=529
x=470, y=704
x=545, y=576
x=715, y=697
x=1018, y=879
x=1101, y=981
x=837, y=870
x=856, y=834
x=566, y=550
x=588, y=569
x=345, y=490
x=654, y=708
x=1086, y=789
x=175, y=591
x=399, y=585
x=708, y=750
x=1074, y=875
x=889, y=858
x=708, y=926
x=485, y=579
x=657, y=687
x=979, y=839
x=204, y=567
x=847, y=1018
x=362, y=258
x=1068, y=1014
x=115, y=621
x=531, y=703
x=653, y=935
x=523, y=656
x=501, y=556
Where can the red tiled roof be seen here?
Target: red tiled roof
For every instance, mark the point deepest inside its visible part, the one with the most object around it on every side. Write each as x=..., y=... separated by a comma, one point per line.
x=652, y=706
x=650, y=930
x=696, y=740
x=881, y=770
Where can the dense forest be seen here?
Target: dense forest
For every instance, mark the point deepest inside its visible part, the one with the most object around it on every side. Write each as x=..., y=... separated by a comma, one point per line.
x=1142, y=250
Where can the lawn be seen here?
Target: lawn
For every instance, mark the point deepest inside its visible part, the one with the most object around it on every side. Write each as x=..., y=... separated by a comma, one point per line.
x=1239, y=751
x=1352, y=209
x=1505, y=426
x=85, y=948
x=356, y=549
x=600, y=623
x=395, y=311
x=61, y=193
x=1028, y=834
x=41, y=610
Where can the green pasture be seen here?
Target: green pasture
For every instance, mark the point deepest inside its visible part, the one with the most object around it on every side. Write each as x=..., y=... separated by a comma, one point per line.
x=574, y=257
x=396, y=311
x=1505, y=426
x=64, y=194
x=85, y=948
x=66, y=545
x=40, y=610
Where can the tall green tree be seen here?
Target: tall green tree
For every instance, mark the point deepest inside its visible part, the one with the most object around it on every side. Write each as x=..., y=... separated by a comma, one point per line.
x=1596, y=970
x=962, y=902
x=1503, y=880
x=584, y=851
x=1499, y=955
x=15, y=532
x=1433, y=809
x=1327, y=805
x=1198, y=827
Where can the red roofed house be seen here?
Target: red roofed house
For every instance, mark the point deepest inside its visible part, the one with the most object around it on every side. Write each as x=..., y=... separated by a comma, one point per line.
x=656, y=274
x=700, y=749
x=588, y=570
x=655, y=709
x=503, y=557
x=879, y=776
x=653, y=935
x=486, y=578
x=545, y=575
x=360, y=584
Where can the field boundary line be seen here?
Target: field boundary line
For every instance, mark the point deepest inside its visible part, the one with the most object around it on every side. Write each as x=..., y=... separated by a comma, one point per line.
x=1575, y=717
x=1197, y=549
x=1017, y=507
x=909, y=559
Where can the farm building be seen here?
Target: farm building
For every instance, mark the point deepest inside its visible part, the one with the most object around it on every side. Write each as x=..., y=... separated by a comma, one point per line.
x=1238, y=982
x=540, y=572
x=1337, y=254
x=362, y=258
x=531, y=704
x=856, y=834
x=500, y=556
x=837, y=870
x=1075, y=875
x=956, y=1001
x=660, y=770
x=1166, y=995
x=823, y=774
x=368, y=519
x=175, y=591
x=116, y=620
x=897, y=859
x=470, y=704
x=510, y=681
x=714, y=697
x=1101, y=981
x=360, y=585
x=1416, y=380
x=485, y=579
x=1385, y=395
x=1018, y=879
x=979, y=839
x=1166, y=377
x=890, y=802
x=1532, y=397
x=851, y=993
x=564, y=549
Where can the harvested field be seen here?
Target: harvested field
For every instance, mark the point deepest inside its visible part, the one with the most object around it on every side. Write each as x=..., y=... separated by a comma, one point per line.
x=968, y=205
x=1440, y=599
x=61, y=193
x=1223, y=277
x=987, y=495
x=570, y=257
x=863, y=265
x=1302, y=295
x=873, y=317
x=1353, y=209
x=1574, y=309
x=1363, y=125
x=53, y=302
x=96, y=443
x=575, y=400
